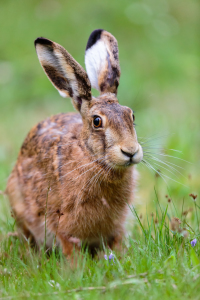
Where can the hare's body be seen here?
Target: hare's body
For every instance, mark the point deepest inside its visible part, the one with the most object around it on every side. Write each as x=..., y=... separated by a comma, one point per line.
x=73, y=180
x=90, y=209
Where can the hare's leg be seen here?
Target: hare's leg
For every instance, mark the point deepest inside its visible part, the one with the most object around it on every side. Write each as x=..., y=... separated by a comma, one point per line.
x=69, y=244
x=115, y=242
x=15, y=196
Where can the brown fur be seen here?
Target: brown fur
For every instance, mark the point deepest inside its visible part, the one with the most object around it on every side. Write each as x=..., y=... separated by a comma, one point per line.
x=73, y=179
x=109, y=78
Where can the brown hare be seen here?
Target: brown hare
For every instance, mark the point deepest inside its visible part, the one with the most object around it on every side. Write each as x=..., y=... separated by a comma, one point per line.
x=74, y=175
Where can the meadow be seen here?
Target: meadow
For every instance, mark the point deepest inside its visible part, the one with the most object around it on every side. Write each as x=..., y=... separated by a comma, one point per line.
x=159, y=59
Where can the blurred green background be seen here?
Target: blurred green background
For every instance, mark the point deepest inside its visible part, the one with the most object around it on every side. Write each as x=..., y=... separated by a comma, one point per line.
x=159, y=58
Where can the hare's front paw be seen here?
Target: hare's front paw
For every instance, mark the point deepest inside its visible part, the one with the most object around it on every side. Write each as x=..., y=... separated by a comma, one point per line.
x=69, y=244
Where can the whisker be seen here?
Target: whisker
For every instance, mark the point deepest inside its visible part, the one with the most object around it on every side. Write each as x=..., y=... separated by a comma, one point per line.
x=148, y=165
x=160, y=166
x=96, y=179
x=88, y=182
x=88, y=169
x=101, y=170
x=107, y=169
x=175, y=150
x=155, y=134
x=162, y=149
x=174, y=157
x=163, y=175
x=150, y=139
x=170, y=163
x=79, y=168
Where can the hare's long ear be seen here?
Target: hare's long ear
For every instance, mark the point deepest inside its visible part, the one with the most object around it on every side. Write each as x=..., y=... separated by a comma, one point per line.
x=68, y=77
x=101, y=60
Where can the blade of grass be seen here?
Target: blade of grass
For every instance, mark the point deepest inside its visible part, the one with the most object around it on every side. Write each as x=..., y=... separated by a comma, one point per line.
x=163, y=220
x=143, y=230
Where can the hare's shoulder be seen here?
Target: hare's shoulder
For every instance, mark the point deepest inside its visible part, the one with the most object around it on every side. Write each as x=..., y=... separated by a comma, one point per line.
x=65, y=120
x=50, y=132
x=64, y=123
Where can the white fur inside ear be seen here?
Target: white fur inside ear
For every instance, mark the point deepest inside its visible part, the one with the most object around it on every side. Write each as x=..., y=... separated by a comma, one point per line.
x=45, y=56
x=95, y=62
x=64, y=95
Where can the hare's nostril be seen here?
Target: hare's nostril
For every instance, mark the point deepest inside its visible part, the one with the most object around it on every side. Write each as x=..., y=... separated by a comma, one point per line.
x=128, y=153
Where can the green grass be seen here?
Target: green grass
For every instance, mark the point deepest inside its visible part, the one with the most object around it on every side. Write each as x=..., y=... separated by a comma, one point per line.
x=155, y=262
x=158, y=50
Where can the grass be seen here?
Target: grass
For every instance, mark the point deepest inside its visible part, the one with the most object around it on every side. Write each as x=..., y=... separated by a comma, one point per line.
x=158, y=49
x=157, y=261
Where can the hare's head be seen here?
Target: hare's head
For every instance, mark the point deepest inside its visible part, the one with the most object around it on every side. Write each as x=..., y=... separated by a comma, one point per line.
x=108, y=127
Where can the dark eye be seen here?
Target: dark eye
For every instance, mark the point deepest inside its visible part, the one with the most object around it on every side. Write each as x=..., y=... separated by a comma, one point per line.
x=97, y=122
x=133, y=118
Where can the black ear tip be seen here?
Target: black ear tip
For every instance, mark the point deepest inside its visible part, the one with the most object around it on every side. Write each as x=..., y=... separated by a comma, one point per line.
x=42, y=41
x=94, y=37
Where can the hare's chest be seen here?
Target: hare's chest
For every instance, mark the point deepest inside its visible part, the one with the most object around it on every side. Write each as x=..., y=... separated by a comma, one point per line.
x=99, y=219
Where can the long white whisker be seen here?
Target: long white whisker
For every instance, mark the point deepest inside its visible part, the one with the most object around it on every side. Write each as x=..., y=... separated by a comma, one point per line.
x=155, y=134
x=161, y=148
x=154, y=170
x=88, y=169
x=169, y=164
x=160, y=166
x=93, y=181
x=175, y=157
x=150, y=139
x=79, y=168
x=144, y=163
x=88, y=182
x=107, y=169
x=161, y=175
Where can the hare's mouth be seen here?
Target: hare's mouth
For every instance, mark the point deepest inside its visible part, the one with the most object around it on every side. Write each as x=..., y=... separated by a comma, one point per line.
x=122, y=165
x=129, y=163
x=120, y=159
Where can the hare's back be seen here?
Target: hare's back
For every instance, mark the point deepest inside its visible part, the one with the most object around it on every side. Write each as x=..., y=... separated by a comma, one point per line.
x=50, y=133
x=46, y=148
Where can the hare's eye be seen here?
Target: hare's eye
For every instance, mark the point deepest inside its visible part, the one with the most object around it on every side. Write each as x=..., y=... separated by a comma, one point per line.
x=97, y=122
x=133, y=118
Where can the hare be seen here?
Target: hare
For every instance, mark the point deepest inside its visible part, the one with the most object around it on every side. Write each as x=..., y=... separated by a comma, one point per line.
x=74, y=177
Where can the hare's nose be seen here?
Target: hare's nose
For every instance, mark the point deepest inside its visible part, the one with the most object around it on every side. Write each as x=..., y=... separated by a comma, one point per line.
x=129, y=154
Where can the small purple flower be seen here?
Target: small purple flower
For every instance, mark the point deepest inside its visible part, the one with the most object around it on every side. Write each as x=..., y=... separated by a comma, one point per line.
x=110, y=257
x=193, y=242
